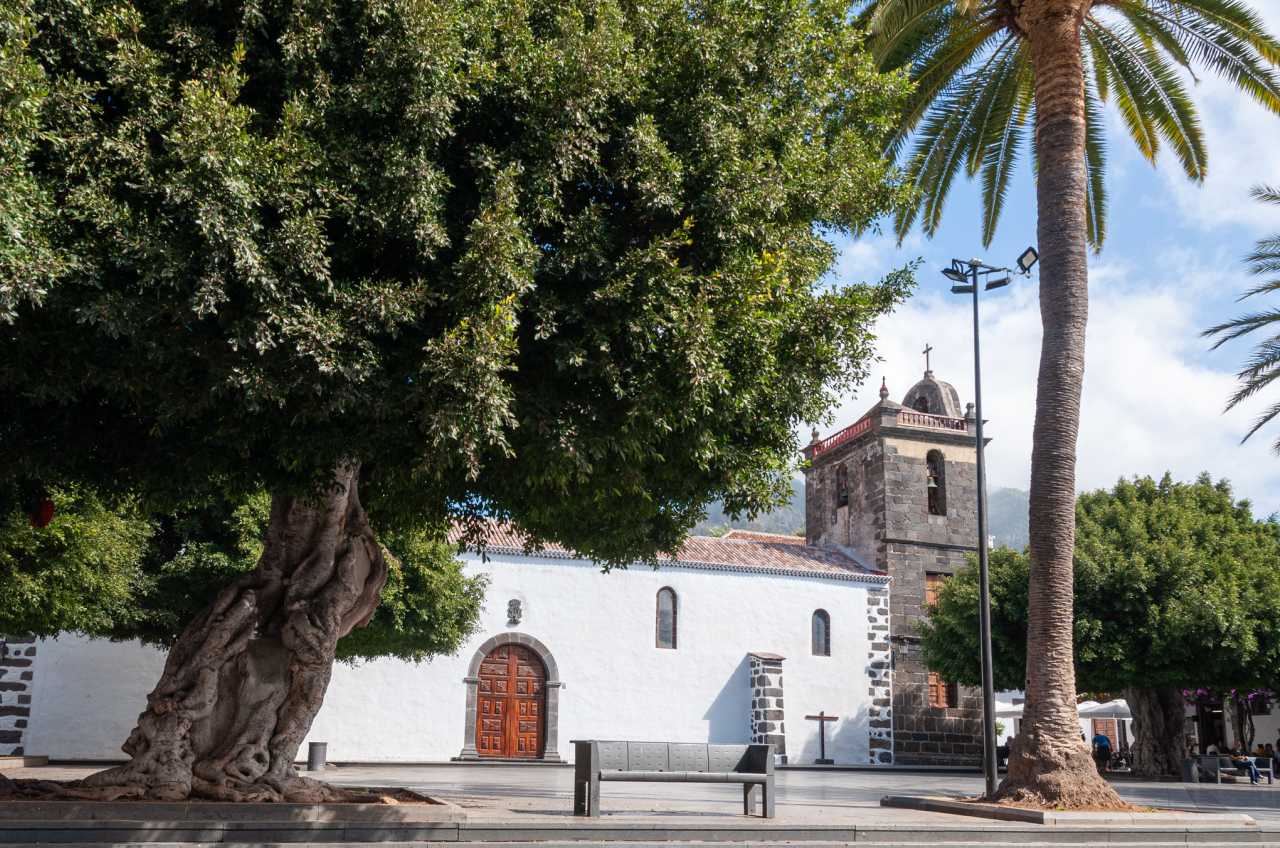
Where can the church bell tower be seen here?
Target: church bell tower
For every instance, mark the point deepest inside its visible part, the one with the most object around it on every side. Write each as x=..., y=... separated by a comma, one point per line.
x=897, y=491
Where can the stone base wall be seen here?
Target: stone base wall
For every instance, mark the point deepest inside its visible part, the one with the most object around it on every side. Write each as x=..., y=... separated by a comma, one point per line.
x=17, y=676
x=925, y=735
x=767, y=725
x=880, y=679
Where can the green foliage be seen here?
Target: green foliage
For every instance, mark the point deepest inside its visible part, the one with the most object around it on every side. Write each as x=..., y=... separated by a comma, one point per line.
x=81, y=572
x=428, y=606
x=975, y=89
x=107, y=570
x=1263, y=367
x=556, y=262
x=1175, y=585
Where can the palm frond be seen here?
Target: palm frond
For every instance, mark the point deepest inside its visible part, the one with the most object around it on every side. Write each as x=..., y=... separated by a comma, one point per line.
x=1160, y=94
x=935, y=73
x=1241, y=326
x=1230, y=39
x=1130, y=102
x=1002, y=143
x=1095, y=166
x=899, y=29
x=947, y=138
x=1266, y=194
x=1154, y=30
x=1231, y=16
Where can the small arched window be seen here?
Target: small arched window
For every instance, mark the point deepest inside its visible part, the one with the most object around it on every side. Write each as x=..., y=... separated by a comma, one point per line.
x=922, y=404
x=821, y=633
x=665, y=629
x=842, y=485
x=936, y=468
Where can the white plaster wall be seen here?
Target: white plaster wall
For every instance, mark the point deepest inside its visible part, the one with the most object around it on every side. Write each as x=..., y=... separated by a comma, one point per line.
x=87, y=696
x=600, y=630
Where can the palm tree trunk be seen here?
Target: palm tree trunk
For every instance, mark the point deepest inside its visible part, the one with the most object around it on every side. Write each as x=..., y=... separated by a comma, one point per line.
x=1049, y=762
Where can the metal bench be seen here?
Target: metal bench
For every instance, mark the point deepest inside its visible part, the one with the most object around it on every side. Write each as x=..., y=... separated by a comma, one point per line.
x=671, y=762
x=1218, y=766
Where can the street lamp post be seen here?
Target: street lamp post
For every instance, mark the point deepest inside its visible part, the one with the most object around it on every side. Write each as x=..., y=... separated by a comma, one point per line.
x=967, y=276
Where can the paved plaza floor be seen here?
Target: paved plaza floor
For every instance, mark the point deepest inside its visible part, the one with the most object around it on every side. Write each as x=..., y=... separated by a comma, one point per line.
x=501, y=793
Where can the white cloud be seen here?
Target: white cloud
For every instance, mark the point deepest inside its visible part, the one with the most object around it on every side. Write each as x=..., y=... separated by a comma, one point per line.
x=1243, y=142
x=1150, y=403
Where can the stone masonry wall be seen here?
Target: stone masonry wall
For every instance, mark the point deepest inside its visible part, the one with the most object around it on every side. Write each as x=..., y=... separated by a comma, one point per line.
x=767, y=726
x=17, y=673
x=880, y=679
x=925, y=735
x=858, y=527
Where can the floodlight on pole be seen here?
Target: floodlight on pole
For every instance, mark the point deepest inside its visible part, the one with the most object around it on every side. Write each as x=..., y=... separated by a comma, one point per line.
x=966, y=273
x=1028, y=258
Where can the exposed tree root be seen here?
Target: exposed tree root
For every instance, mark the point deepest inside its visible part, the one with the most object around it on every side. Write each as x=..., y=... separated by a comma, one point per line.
x=296, y=790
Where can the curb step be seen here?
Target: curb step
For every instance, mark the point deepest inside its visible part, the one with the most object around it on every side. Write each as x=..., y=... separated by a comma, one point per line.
x=597, y=844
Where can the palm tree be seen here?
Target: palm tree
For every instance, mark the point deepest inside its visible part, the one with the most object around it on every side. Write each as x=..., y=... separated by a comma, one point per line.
x=1263, y=368
x=986, y=71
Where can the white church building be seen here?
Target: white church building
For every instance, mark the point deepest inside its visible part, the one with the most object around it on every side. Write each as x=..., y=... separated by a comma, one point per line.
x=745, y=637
x=735, y=639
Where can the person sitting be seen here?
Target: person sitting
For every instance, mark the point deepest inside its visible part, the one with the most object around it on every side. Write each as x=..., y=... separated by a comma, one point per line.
x=1261, y=750
x=1101, y=751
x=1242, y=761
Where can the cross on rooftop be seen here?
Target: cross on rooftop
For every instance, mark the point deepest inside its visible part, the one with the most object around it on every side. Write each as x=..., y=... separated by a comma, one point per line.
x=927, y=349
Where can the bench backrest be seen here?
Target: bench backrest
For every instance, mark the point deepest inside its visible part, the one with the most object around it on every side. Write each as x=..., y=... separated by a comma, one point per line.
x=681, y=756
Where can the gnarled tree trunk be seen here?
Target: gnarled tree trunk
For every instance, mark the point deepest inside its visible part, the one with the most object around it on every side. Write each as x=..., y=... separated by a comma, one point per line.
x=1159, y=735
x=246, y=678
x=1240, y=714
x=1049, y=763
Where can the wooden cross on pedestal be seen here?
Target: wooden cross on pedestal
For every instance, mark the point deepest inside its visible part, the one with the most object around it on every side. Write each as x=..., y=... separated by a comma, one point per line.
x=822, y=718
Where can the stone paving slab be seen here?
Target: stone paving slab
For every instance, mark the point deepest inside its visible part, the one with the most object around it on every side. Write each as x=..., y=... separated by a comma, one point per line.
x=208, y=811
x=1001, y=812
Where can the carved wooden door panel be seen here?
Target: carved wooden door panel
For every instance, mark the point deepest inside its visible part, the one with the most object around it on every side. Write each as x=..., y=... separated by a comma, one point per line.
x=510, y=700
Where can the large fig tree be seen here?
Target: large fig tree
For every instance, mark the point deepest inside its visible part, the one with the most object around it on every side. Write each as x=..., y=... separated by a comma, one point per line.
x=405, y=262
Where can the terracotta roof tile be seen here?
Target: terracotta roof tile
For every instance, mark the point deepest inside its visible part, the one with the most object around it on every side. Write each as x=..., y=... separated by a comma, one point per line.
x=738, y=550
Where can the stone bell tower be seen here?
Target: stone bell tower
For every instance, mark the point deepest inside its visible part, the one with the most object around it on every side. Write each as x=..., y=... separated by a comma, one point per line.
x=897, y=490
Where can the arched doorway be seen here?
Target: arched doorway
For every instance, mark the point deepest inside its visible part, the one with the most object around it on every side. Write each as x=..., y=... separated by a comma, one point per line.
x=513, y=701
x=511, y=704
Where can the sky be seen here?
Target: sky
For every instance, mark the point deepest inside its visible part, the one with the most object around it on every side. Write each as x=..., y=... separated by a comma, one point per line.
x=1172, y=265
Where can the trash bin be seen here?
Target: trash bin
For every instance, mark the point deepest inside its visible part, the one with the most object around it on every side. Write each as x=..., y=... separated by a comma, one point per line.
x=1190, y=771
x=316, y=753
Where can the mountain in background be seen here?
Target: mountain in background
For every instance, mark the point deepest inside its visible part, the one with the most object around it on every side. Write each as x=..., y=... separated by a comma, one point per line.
x=1006, y=517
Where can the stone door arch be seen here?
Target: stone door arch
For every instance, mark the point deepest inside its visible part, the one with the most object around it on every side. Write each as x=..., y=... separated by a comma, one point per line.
x=550, y=706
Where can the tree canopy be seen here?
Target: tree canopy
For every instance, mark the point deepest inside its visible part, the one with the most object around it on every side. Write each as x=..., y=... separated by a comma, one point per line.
x=561, y=263
x=104, y=568
x=1175, y=585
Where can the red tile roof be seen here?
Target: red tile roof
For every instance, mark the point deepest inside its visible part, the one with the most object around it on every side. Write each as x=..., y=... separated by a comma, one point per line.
x=737, y=550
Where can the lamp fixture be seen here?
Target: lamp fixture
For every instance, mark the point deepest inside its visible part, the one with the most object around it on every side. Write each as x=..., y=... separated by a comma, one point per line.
x=1028, y=258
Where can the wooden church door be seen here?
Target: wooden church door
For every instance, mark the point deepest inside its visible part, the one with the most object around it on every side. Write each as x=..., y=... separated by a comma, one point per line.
x=511, y=696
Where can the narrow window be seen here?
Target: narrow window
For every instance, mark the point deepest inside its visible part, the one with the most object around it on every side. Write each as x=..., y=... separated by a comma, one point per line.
x=821, y=634
x=666, y=624
x=936, y=469
x=942, y=695
x=922, y=404
x=842, y=485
